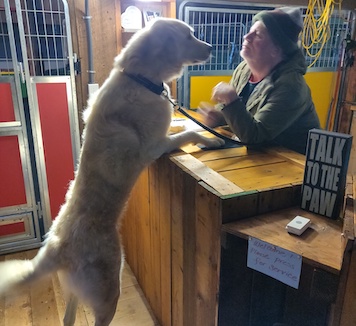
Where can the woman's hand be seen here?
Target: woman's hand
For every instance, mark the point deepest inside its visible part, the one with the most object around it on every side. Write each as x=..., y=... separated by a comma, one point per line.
x=210, y=116
x=224, y=93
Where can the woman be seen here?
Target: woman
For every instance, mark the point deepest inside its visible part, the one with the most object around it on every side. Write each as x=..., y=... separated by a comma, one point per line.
x=267, y=101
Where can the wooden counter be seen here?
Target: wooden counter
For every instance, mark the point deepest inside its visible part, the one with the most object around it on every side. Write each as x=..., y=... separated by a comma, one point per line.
x=326, y=290
x=322, y=245
x=172, y=229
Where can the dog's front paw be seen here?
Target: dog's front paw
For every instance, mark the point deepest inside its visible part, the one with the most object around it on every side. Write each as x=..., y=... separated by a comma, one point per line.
x=214, y=142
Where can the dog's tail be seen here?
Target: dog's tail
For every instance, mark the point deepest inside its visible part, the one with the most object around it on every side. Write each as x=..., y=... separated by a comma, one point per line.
x=15, y=274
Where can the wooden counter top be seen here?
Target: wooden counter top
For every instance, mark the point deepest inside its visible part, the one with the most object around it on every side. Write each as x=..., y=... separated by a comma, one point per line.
x=322, y=245
x=234, y=170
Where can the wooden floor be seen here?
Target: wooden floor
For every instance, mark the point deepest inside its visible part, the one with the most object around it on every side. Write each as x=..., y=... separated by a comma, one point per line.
x=43, y=304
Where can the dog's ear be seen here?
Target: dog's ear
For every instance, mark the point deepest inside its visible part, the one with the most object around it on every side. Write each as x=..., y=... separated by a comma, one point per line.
x=134, y=53
x=163, y=41
x=157, y=45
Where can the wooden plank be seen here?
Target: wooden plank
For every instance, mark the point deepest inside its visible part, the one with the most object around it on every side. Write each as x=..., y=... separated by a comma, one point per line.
x=177, y=247
x=222, y=153
x=348, y=225
x=207, y=256
x=336, y=315
x=182, y=202
x=82, y=318
x=160, y=228
x=154, y=265
x=165, y=236
x=258, y=202
x=132, y=309
x=320, y=245
x=354, y=198
x=103, y=23
x=201, y=172
x=239, y=206
x=143, y=244
x=21, y=299
x=278, y=197
x=188, y=202
x=266, y=176
x=43, y=303
x=236, y=163
x=352, y=163
x=348, y=315
x=289, y=155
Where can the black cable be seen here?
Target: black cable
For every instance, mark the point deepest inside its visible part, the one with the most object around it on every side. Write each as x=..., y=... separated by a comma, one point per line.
x=212, y=131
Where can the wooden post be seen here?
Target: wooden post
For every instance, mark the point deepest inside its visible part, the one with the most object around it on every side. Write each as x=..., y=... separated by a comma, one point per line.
x=352, y=162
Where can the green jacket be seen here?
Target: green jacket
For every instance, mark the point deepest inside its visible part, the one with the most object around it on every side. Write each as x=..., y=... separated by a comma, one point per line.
x=279, y=111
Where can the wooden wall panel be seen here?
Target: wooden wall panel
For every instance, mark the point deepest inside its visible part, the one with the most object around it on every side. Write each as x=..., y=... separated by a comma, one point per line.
x=106, y=39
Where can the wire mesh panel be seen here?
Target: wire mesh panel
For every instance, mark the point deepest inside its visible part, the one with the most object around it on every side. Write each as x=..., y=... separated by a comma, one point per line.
x=6, y=59
x=5, y=55
x=45, y=35
x=224, y=31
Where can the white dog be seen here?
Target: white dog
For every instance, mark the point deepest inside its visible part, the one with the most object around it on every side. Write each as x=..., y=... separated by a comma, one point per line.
x=126, y=129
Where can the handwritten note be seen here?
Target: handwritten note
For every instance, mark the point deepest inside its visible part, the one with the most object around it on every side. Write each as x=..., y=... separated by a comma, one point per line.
x=274, y=261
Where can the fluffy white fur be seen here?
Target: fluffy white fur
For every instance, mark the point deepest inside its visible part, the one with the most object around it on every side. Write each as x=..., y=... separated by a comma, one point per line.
x=126, y=129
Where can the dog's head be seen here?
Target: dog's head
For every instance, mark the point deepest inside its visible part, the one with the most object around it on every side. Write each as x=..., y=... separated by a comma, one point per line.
x=162, y=49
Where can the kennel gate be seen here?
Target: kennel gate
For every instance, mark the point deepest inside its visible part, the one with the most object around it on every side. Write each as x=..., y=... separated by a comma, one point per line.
x=39, y=131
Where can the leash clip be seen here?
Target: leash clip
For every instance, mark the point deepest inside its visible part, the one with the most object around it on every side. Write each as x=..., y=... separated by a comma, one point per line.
x=175, y=105
x=164, y=93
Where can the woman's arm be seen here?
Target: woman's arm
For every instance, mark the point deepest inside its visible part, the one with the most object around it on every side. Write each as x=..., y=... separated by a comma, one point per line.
x=278, y=107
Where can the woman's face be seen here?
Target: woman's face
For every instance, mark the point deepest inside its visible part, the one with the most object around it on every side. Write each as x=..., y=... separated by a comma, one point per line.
x=257, y=45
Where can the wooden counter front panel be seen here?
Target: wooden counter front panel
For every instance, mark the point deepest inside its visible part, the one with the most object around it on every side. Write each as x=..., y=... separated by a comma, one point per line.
x=146, y=234
x=196, y=225
x=171, y=234
x=172, y=227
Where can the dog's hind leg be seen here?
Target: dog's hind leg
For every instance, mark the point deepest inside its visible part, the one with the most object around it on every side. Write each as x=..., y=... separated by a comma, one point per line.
x=98, y=286
x=104, y=313
x=71, y=311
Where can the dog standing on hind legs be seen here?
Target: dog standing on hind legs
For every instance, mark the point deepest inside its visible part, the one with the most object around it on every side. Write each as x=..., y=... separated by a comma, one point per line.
x=126, y=127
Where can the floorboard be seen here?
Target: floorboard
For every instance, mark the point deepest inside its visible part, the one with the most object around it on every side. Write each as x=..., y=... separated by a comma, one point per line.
x=43, y=304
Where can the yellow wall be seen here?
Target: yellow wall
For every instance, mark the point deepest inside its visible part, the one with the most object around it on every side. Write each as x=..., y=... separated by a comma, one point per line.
x=320, y=83
x=201, y=87
x=322, y=88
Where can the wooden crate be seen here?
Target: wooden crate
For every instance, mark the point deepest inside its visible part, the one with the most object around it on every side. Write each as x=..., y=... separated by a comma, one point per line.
x=172, y=228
